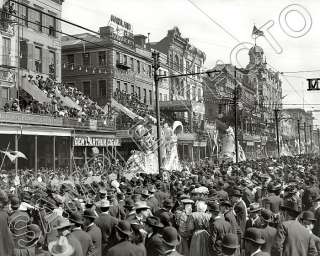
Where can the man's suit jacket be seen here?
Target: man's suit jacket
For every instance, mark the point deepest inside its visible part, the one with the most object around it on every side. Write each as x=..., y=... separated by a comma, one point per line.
x=293, y=239
x=241, y=214
x=74, y=242
x=106, y=223
x=269, y=235
x=154, y=245
x=85, y=241
x=218, y=228
x=95, y=233
x=126, y=248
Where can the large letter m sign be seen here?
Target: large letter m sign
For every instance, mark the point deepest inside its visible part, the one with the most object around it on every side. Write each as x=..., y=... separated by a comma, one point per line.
x=313, y=84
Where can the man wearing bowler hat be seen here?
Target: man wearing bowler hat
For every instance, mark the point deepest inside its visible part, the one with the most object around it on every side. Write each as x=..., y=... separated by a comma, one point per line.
x=106, y=223
x=171, y=240
x=218, y=227
x=78, y=233
x=268, y=232
x=153, y=241
x=253, y=242
x=254, y=215
x=93, y=231
x=239, y=207
x=229, y=215
x=292, y=238
x=167, y=206
x=124, y=247
x=308, y=219
x=230, y=245
x=273, y=200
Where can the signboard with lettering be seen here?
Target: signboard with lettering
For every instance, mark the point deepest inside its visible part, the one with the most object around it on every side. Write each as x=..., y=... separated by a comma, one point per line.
x=81, y=141
x=313, y=84
x=123, y=31
x=120, y=22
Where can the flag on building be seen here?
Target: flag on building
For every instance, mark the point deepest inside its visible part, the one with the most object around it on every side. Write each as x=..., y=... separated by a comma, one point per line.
x=13, y=155
x=256, y=32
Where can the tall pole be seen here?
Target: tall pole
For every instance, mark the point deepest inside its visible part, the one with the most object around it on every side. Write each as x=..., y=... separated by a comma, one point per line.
x=299, y=137
x=311, y=139
x=277, y=130
x=235, y=115
x=318, y=139
x=305, y=137
x=156, y=66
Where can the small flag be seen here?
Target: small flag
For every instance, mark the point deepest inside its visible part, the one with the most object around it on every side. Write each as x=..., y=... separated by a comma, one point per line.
x=256, y=32
x=13, y=155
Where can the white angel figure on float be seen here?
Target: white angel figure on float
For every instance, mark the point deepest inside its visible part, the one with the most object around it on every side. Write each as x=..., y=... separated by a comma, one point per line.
x=171, y=159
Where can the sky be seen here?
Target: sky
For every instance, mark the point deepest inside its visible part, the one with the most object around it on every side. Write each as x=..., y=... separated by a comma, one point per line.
x=218, y=26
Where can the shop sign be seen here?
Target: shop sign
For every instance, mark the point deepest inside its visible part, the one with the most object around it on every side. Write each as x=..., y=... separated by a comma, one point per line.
x=117, y=21
x=80, y=141
x=113, y=142
x=313, y=84
x=89, y=142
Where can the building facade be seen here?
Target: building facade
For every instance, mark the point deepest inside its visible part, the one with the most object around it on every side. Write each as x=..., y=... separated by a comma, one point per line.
x=297, y=130
x=185, y=93
x=29, y=119
x=259, y=96
x=113, y=63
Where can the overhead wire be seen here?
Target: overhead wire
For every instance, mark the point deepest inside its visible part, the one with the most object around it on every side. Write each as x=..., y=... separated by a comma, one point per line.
x=55, y=30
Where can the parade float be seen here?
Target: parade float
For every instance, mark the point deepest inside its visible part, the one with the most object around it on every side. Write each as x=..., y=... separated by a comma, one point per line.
x=228, y=151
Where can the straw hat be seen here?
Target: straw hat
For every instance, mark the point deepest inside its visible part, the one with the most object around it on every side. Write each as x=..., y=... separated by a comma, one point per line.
x=61, y=247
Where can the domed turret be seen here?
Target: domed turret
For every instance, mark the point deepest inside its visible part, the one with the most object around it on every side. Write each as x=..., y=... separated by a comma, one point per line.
x=256, y=56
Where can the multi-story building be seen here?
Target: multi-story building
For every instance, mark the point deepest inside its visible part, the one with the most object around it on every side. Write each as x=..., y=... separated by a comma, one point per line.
x=112, y=63
x=293, y=122
x=259, y=96
x=30, y=120
x=116, y=68
x=8, y=54
x=186, y=93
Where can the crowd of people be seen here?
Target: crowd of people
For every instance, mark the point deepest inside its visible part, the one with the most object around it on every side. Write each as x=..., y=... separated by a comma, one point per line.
x=261, y=207
x=55, y=106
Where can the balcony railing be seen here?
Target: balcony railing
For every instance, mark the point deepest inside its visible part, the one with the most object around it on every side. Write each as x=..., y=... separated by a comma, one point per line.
x=35, y=119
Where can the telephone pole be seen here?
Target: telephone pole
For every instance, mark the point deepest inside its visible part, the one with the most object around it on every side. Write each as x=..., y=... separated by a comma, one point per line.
x=311, y=142
x=236, y=94
x=305, y=137
x=156, y=66
x=276, y=111
x=299, y=137
x=318, y=139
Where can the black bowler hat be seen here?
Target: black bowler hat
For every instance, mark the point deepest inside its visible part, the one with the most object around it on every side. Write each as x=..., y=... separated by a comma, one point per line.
x=290, y=206
x=230, y=241
x=89, y=214
x=75, y=217
x=254, y=235
x=170, y=236
x=308, y=215
x=266, y=215
x=236, y=192
x=153, y=221
x=225, y=203
x=124, y=227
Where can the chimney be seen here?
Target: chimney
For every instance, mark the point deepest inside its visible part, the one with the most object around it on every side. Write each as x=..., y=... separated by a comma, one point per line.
x=140, y=40
x=106, y=31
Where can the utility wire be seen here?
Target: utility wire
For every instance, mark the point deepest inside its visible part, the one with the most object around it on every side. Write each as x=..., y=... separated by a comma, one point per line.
x=58, y=31
x=216, y=23
x=57, y=18
x=301, y=71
